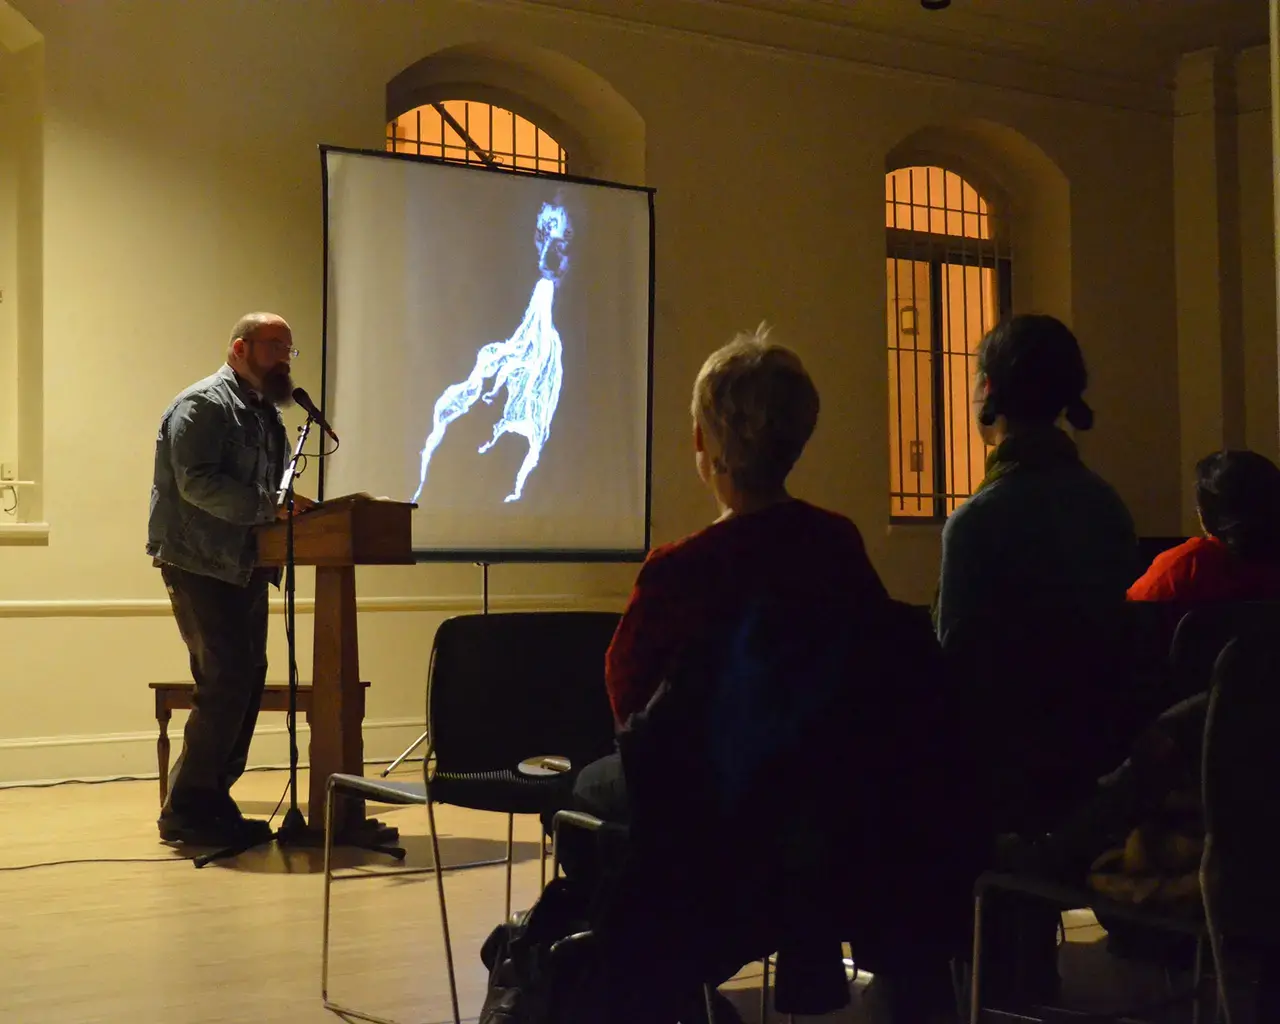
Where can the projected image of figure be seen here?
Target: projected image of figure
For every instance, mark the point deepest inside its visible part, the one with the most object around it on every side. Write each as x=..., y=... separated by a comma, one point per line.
x=527, y=364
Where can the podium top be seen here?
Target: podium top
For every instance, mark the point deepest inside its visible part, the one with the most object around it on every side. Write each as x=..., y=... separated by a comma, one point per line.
x=355, y=529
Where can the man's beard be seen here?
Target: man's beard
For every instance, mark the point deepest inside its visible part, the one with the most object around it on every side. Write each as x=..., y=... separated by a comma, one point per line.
x=277, y=385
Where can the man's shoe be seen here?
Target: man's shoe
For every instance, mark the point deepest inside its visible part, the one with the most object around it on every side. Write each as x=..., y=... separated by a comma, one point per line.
x=255, y=831
x=189, y=831
x=218, y=831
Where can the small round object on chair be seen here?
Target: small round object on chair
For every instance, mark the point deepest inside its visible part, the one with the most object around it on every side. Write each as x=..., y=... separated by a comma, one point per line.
x=544, y=765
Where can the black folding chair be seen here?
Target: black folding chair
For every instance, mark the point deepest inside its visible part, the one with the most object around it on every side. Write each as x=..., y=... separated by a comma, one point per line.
x=504, y=691
x=1056, y=695
x=768, y=727
x=1238, y=879
x=1204, y=630
x=1241, y=896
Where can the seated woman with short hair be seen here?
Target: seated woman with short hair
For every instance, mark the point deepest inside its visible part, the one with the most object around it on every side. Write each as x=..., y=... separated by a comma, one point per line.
x=750, y=687
x=1238, y=556
x=754, y=409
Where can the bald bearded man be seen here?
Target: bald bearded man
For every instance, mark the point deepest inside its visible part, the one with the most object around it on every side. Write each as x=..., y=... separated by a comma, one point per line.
x=220, y=455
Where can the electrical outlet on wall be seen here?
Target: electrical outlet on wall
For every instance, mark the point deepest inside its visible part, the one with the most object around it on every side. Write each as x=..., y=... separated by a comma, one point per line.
x=7, y=471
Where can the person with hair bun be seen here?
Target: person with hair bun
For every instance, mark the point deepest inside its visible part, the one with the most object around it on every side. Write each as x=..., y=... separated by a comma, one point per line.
x=1042, y=530
x=1238, y=556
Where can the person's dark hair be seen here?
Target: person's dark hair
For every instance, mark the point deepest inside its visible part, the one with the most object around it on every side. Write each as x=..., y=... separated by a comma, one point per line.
x=1035, y=373
x=1238, y=494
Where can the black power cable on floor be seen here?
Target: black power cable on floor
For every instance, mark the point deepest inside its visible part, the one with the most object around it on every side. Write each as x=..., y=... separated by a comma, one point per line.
x=95, y=860
x=133, y=778
x=153, y=776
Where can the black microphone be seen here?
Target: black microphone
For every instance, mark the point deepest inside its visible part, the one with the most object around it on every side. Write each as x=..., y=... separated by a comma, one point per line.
x=309, y=407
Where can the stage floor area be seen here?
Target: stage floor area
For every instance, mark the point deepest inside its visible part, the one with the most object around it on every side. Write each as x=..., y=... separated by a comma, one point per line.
x=144, y=937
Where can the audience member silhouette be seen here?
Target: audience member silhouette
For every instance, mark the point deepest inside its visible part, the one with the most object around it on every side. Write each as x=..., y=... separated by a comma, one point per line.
x=1237, y=558
x=1042, y=530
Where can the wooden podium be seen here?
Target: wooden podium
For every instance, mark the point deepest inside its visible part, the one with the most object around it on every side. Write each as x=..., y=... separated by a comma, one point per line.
x=335, y=536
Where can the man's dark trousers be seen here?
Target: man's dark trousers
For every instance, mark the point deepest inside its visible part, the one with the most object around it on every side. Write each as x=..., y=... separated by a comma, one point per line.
x=225, y=630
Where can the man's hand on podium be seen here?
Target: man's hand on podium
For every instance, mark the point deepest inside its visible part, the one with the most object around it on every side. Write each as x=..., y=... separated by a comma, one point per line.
x=301, y=504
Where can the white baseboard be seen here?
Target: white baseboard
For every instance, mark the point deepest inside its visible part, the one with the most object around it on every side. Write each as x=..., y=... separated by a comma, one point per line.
x=106, y=754
x=56, y=758
x=144, y=607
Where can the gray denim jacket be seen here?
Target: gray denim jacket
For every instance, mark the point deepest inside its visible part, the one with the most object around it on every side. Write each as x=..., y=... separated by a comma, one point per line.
x=220, y=454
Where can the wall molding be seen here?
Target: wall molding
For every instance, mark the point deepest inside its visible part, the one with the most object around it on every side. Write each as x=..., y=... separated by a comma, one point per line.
x=147, y=607
x=23, y=534
x=150, y=735
x=808, y=34
x=97, y=756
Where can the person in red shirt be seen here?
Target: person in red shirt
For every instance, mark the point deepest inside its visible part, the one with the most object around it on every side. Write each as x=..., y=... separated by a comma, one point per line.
x=754, y=409
x=767, y=558
x=1238, y=557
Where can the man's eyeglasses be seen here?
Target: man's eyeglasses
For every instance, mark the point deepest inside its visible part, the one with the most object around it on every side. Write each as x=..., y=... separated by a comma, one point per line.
x=278, y=347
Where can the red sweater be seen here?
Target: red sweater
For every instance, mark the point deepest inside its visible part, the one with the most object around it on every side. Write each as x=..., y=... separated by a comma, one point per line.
x=800, y=555
x=1204, y=569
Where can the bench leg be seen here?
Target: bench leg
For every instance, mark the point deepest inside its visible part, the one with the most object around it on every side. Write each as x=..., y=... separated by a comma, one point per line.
x=162, y=756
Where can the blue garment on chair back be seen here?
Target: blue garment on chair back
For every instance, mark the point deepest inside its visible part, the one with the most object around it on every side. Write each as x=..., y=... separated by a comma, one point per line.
x=771, y=680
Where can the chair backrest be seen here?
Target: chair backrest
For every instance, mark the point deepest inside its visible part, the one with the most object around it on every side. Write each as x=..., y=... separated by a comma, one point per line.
x=1205, y=630
x=1241, y=784
x=770, y=764
x=506, y=687
x=1058, y=695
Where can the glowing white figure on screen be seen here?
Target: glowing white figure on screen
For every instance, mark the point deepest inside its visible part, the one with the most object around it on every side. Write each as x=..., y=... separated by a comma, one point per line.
x=527, y=364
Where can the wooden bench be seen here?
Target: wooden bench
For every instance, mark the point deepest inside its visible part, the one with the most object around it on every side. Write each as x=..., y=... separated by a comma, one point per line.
x=171, y=697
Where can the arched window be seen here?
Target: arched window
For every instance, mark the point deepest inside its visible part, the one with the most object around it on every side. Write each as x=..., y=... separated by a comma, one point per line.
x=948, y=282
x=470, y=132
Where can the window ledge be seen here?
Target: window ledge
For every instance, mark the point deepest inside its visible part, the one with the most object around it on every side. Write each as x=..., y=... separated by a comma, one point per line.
x=909, y=529
x=35, y=534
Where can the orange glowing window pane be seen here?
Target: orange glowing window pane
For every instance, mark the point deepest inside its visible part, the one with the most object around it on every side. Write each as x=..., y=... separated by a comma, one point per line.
x=943, y=277
x=469, y=132
x=935, y=201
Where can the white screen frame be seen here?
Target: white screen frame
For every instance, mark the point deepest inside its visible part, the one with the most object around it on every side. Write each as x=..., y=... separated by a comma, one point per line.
x=499, y=554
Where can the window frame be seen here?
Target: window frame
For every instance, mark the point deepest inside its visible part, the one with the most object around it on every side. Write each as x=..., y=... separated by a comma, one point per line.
x=468, y=151
x=938, y=251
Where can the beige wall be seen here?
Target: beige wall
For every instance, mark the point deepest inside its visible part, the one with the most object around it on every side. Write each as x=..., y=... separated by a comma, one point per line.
x=8, y=271
x=182, y=189
x=1225, y=259
x=1257, y=253
x=21, y=270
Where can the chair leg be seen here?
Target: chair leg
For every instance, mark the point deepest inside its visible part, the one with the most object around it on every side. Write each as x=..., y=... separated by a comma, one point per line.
x=345, y=1012
x=542, y=860
x=328, y=882
x=444, y=913
x=975, y=998
x=1221, y=998
x=511, y=834
x=708, y=995
x=764, y=991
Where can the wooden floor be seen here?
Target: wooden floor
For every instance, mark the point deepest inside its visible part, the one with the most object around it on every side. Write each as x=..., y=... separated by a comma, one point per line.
x=239, y=941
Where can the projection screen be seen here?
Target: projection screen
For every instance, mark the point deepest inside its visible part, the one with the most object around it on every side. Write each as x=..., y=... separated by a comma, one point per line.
x=488, y=354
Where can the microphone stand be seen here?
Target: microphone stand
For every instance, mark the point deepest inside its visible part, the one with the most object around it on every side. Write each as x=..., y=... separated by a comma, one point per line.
x=293, y=829
x=294, y=825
